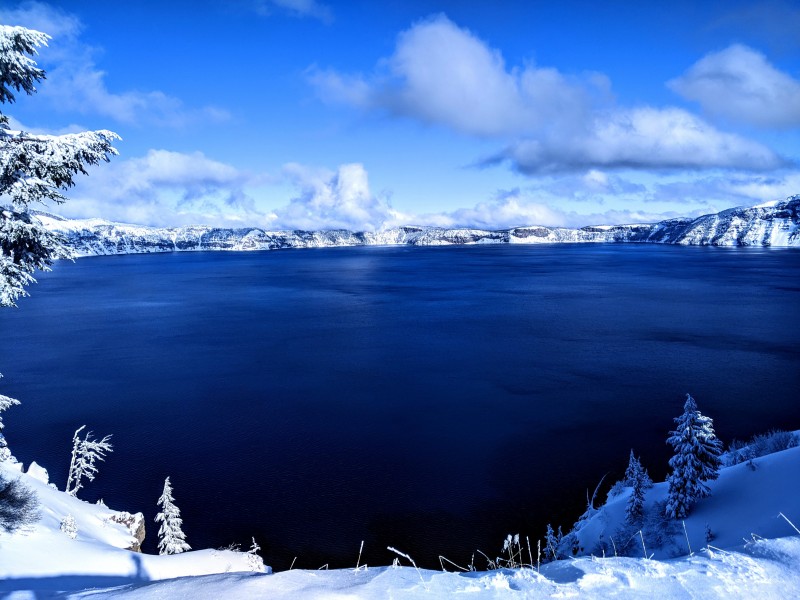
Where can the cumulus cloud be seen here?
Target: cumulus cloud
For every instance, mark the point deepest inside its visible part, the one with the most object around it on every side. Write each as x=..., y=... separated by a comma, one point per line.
x=550, y=122
x=740, y=84
x=333, y=200
x=296, y=8
x=442, y=74
x=75, y=83
x=640, y=138
x=166, y=188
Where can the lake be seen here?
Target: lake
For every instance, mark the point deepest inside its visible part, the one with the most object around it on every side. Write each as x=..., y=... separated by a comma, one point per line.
x=431, y=399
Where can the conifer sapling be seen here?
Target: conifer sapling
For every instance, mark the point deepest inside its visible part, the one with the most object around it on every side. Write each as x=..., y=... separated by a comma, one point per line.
x=637, y=479
x=171, y=539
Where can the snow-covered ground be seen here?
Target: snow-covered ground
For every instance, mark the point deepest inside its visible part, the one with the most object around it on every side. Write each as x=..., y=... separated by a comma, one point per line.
x=755, y=553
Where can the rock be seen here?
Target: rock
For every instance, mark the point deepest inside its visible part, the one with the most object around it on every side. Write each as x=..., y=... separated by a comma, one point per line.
x=39, y=473
x=135, y=524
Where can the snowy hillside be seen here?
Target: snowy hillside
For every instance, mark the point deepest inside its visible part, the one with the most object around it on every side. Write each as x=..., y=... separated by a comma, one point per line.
x=42, y=557
x=776, y=224
x=739, y=563
x=745, y=502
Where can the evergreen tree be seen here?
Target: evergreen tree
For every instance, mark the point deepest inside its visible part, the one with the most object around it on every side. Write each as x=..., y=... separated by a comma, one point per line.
x=551, y=542
x=34, y=169
x=171, y=539
x=696, y=460
x=84, y=454
x=5, y=402
x=69, y=527
x=636, y=478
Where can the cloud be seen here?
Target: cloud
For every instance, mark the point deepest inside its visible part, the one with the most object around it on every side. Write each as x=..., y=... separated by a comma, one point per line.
x=640, y=138
x=332, y=200
x=296, y=8
x=728, y=190
x=166, y=188
x=75, y=83
x=771, y=22
x=740, y=84
x=441, y=74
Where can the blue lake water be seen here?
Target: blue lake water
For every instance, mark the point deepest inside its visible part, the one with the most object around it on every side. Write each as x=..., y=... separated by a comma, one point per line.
x=432, y=399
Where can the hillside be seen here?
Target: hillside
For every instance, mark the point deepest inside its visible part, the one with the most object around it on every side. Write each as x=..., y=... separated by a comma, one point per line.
x=742, y=562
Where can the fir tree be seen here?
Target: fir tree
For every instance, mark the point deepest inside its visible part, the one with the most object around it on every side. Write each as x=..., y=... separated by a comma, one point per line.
x=34, y=169
x=84, y=454
x=171, y=539
x=551, y=542
x=636, y=478
x=696, y=460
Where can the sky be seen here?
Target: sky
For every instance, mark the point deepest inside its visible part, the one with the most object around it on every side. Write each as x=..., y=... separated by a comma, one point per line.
x=316, y=114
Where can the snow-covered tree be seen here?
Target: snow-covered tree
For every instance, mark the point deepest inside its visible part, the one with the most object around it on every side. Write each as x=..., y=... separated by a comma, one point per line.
x=696, y=460
x=254, y=561
x=34, y=169
x=552, y=540
x=636, y=470
x=69, y=527
x=635, y=477
x=5, y=402
x=171, y=539
x=85, y=452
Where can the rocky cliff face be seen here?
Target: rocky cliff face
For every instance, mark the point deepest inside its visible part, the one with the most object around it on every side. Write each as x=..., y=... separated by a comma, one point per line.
x=773, y=224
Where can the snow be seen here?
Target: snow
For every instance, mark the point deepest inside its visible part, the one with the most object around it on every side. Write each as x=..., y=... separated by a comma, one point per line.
x=754, y=554
x=41, y=556
x=743, y=502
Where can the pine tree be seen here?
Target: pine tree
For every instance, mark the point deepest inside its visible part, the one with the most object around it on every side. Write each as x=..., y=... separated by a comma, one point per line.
x=84, y=454
x=635, y=478
x=551, y=542
x=696, y=460
x=171, y=539
x=34, y=169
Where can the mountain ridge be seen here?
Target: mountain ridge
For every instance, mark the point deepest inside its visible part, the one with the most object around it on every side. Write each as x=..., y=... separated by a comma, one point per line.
x=776, y=225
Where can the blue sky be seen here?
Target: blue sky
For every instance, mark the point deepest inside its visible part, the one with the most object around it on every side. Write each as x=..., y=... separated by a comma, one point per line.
x=312, y=114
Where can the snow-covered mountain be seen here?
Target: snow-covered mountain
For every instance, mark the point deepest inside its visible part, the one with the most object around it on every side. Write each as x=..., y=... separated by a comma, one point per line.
x=772, y=224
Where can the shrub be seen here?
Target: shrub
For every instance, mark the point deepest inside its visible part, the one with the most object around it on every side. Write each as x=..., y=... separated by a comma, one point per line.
x=19, y=505
x=773, y=441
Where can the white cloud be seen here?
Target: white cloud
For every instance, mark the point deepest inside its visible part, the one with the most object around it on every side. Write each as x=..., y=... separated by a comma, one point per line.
x=640, y=138
x=442, y=74
x=332, y=200
x=75, y=83
x=166, y=188
x=727, y=190
x=296, y=8
x=740, y=84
